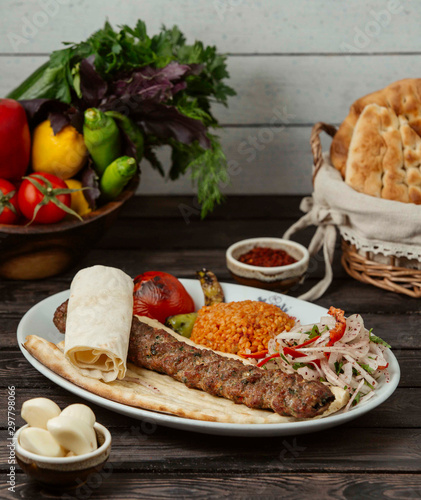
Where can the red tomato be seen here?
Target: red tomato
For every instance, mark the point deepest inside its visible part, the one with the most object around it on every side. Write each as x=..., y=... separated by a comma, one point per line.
x=30, y=196
x=159, y=295
x=9, y=208
x=15, y=140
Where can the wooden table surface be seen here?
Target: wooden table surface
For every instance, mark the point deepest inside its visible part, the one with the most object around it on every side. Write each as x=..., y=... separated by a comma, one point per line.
x=375, y=456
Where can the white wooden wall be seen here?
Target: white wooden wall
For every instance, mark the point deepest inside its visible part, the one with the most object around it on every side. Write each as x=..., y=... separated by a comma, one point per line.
x=292, y=62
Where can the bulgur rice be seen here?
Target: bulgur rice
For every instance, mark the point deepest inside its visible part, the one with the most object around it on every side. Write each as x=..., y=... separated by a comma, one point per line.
x=239, y=327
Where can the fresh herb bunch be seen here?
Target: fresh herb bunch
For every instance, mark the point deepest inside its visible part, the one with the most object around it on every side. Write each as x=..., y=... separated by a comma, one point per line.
x=164, y=85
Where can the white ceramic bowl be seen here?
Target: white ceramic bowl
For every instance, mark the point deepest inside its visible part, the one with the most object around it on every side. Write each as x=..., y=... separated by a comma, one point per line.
x=64, y=472
x=272, y=278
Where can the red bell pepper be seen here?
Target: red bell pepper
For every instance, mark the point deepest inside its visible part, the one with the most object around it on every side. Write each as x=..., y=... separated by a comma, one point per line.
x=15, y=140
x=337, y=332
x=291, y=351
x=254, y=355
x=268, y=359
x=307, y=342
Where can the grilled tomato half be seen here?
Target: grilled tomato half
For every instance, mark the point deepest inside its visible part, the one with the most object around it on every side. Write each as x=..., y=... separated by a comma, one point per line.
x=159, y=295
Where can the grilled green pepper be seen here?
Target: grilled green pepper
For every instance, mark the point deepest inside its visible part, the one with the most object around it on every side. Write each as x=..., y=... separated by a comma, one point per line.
x=182, y=323
x=131, y=130
x=210, y=286
x=102, y=138
x=116, y=176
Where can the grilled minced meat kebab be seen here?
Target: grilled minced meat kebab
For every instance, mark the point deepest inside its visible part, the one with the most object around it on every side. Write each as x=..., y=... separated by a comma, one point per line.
x=157, y=350
x=60, y=316
x=286, y=394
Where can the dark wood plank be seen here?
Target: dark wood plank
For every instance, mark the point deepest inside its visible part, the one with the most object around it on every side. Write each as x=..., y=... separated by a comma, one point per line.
x=334, y=450
x=400, y=411
x=234, y=207
x=354, y=296
x=375, y=456
x=351, y=295
x=151, y=234
x=165, y=486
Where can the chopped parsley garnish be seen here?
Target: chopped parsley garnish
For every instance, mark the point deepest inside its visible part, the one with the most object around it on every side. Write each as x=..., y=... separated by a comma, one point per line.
x=314, y=332
x=367, y=368
x=355, y=372
x=357, y=399
x=338, y=367
x=302, y=365
x=298, y=365
x=284, y=358
x=377, y=340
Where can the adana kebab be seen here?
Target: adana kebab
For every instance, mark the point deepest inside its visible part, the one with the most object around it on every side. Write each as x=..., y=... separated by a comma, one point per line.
x=286, y=394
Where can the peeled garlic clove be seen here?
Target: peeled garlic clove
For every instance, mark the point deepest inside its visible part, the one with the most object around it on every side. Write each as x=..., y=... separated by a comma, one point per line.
x=73, y=434
x=80, y=411
x=41, y=442
x=36, y=412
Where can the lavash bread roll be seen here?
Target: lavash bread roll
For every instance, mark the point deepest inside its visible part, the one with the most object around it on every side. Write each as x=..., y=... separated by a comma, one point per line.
x=377, y=148
x=99, y=317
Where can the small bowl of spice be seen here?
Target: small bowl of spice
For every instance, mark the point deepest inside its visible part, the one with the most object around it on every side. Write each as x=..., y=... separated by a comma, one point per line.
x=270, y=263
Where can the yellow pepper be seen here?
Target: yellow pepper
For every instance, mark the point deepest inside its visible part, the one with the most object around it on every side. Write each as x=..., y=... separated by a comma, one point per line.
x=63, y=154
x=78, y=201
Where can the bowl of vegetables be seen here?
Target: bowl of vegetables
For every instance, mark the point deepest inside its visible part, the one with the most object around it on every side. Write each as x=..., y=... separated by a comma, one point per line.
x=74, y=134
x=58, y=192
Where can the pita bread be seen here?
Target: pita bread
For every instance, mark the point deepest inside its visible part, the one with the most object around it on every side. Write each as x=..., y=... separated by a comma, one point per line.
x=377, y=148
x=157, y=392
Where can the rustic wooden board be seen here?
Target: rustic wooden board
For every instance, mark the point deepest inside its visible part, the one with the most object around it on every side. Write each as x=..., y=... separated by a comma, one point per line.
x=133, y=449
x=292, y=64
x=240, y=485
x=401, y=411
x=351, y=295
x=234, y=207
x=275, y=90
x=375, y=456
x=239, y=26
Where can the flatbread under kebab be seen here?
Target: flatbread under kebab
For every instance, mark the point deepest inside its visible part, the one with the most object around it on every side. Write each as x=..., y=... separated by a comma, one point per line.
x=158, y=392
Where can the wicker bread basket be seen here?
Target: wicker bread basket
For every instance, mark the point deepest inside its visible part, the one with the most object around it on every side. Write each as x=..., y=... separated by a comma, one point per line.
x=395, y=274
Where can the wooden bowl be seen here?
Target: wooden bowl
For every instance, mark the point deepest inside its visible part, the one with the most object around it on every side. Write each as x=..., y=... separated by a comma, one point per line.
x=43, y=250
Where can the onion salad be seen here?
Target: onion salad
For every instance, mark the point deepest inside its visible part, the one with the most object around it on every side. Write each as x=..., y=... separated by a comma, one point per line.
x=339, y=351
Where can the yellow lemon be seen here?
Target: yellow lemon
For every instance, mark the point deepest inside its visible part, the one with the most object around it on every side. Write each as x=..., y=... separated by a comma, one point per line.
x=63, y=154
x=78, y=201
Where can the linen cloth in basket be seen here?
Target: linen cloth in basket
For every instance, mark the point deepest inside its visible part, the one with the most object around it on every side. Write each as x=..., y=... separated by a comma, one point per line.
x=372, y=224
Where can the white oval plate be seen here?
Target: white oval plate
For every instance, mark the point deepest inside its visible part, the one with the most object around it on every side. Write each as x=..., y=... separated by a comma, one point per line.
x=38, y=321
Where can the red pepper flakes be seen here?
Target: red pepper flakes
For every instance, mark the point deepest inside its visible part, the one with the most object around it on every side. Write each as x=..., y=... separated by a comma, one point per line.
x=266, y=257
